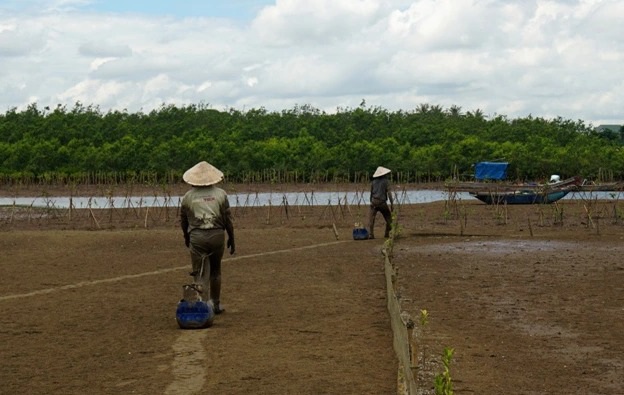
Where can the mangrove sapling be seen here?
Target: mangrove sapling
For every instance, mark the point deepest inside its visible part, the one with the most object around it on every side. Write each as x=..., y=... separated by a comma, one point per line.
x=557, y=213
x=500, y=213
x=589, y=212
x=463, y=218
x=395, y=227
x=540, y=214
x=617, y=214
x=450, y=204
x=446, y=215
x=443, y=383
x=395, y=230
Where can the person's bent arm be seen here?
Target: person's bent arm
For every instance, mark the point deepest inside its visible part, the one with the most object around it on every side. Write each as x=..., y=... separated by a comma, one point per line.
x=229, y=229
x=184, y=223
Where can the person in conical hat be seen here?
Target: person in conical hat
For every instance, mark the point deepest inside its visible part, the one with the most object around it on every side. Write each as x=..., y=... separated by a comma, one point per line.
x=205, y=218
x=379, y=195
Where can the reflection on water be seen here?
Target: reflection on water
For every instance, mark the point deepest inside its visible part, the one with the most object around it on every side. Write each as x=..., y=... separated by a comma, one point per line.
x=257, y=199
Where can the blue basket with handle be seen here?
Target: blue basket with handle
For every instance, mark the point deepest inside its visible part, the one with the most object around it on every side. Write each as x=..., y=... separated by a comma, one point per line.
x=194, y=314
x=360, y=234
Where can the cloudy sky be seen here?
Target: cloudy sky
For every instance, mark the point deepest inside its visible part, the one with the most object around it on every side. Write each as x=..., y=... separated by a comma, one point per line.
x=503, y=57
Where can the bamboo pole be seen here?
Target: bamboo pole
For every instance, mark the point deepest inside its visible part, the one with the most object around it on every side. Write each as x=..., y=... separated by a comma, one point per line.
x=94, y=219
x=285, y=203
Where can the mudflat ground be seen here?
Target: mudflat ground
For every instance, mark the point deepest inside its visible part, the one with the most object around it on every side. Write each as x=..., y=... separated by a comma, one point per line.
x=528, y=309
x=530, y=298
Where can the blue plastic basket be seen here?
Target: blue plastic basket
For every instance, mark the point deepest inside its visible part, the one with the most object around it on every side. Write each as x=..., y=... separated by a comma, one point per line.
x=194, y=315
x=360, y=234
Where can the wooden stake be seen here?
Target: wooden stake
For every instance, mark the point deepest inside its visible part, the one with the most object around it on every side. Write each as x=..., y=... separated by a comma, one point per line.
x=461, y=226
x=589, y=218
x=506, y=213
x=94, y=219
x=413, y=346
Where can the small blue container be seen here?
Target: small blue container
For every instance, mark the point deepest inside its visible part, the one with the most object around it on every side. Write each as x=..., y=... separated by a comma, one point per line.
x=360, y=234
x=194, y=315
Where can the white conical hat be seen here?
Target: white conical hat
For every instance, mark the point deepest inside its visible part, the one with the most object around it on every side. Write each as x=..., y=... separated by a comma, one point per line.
x=202, y=174
x=381, y=171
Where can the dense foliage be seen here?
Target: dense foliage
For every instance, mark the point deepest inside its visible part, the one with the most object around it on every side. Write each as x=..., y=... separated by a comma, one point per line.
x=427, y=143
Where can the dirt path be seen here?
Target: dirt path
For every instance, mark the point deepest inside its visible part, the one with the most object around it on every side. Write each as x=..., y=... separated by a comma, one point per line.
x=95, y=311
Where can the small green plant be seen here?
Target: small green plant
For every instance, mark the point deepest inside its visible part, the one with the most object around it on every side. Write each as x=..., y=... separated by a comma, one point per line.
x=500, y=213
x=443, y=383
x=617, y=213
x=395, y=231
x=557, y=213
x=424, y=317
x=446, y=215
x=450, y=206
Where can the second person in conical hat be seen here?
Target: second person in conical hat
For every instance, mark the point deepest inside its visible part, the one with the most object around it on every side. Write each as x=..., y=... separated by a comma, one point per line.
x=379, y=195
x=205, y=218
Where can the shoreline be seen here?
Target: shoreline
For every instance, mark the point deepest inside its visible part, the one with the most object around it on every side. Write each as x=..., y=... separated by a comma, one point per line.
x=10, y=191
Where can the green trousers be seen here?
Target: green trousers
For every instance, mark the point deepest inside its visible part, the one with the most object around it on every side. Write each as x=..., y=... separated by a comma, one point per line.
x=207, y=248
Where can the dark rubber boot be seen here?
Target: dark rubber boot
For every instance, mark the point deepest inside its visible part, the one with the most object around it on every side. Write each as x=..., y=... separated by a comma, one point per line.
x=215, y=294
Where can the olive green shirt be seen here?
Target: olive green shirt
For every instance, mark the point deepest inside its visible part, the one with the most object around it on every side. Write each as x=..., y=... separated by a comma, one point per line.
x=205, y=208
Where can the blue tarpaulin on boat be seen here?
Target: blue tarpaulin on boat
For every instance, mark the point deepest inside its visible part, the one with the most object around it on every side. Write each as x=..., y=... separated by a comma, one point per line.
x=491, y=170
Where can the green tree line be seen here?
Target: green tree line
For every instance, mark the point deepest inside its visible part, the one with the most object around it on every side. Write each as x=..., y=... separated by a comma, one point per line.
x=426, y=143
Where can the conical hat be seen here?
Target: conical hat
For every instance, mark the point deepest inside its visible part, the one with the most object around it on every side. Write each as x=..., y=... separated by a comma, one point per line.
x=202, y=174
x=381, y=171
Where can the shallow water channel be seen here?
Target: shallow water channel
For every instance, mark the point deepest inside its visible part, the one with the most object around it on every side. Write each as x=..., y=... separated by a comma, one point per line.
x=258, y=199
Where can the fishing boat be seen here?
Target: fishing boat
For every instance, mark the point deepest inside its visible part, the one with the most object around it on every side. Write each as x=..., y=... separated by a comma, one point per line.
x=490, y=187
x=520, y=196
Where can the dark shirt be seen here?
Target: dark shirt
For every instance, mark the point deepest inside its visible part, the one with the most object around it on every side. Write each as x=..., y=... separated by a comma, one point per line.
x=379, y=189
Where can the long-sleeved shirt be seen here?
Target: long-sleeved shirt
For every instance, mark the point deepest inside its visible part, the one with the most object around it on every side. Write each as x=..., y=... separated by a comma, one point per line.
x=379, y=190
x=205, y=208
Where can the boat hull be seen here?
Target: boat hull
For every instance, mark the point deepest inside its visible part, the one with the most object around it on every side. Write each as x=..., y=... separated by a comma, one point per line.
x=519, y=197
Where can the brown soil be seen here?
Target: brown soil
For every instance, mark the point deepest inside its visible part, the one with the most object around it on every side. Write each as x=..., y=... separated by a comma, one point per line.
x=525, y=314
x=529, y=297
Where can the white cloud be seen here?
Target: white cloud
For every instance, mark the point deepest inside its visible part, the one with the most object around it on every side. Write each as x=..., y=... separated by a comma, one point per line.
x=541, y=57
x=97, y=62
x=300, y=23
x=252, y=81
x=103, y=48
x=95, y=92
